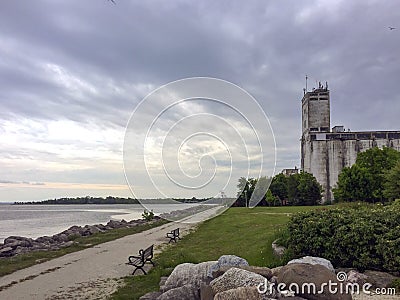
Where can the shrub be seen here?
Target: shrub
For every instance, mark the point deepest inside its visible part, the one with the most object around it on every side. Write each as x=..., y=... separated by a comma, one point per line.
x=358, y=236
x=148, y=215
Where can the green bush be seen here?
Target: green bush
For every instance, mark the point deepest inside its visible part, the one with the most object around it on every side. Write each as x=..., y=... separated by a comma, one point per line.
x=359, y=236
x=148, y=215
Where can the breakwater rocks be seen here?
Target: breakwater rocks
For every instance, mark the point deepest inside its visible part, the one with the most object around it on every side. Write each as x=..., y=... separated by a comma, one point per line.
x=15, y=245
x=231, y=277
x=177, y=215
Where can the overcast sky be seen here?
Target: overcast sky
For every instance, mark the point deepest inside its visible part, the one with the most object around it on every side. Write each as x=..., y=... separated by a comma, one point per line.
x=72, y=73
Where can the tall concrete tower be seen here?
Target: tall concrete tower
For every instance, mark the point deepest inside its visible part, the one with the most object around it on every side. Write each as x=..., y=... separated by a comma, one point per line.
x=316, y=111
x=315, y=125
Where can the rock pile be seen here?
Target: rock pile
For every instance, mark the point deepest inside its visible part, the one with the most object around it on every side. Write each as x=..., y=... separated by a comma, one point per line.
x=183, y=213
x=231, y=277
x=15, y=245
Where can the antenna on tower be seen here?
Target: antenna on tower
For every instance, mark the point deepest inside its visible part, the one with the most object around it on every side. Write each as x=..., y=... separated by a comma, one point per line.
x=306, y=82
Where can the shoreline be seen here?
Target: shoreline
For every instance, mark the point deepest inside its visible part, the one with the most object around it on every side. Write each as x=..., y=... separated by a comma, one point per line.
x=15, y=245
x=34, y=221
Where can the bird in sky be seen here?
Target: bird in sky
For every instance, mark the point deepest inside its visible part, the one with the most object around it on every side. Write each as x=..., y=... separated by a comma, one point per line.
x=391, y=28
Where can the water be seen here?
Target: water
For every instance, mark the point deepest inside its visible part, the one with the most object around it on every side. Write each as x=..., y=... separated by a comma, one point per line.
x=34, y=221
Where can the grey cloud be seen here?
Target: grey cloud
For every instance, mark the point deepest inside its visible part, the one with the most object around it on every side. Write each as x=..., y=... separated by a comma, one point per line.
x=123, y=51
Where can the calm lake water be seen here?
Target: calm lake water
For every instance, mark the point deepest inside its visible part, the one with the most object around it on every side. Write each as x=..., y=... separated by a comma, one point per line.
x=38, y=220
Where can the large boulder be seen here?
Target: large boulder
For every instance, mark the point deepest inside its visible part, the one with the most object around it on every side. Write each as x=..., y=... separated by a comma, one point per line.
x=313, y=261
x=150, y=296
x=235, y=278
x=379, y=279
x=61, y=238
x=263, y=271
x=227, y=261
x=307, y=280
x=240, y=293
x=188, y=273
x=15, y=241
x=6, y=251
x=185, y=292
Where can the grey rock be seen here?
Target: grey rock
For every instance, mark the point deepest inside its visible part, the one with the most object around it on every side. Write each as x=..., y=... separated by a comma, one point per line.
x=263, y=271
x=227, y=261
x=61, y=238
x=114, y=224
x=206, y=292
x=277, y=250
x=15, y=241
x=275, y=271
x=240, y=293
x=20, y=250
x=313, y=261
x=163, y=279
x=6, y=251
x=90, y=230
x=356, y=277
x=187, y=273
x=150, y=296
x=301, y=275
x=234, y=278
x=379, y=279
x=185, y=292
x=45, y=239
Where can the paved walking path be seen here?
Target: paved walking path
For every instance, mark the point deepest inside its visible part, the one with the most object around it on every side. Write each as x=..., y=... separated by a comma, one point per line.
x=93, y=273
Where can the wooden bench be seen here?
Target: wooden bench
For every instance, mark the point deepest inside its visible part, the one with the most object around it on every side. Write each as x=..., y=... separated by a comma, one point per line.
x=173, y=235
x=139, y=261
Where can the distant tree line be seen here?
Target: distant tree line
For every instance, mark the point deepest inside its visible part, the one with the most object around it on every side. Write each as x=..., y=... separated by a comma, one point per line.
x=84, y=200
x=191, y=200
x=375, y=177
x=296, y=189
x=107, y=200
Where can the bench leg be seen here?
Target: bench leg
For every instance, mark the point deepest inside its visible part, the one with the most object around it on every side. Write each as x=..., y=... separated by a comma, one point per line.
x=139, y=268
x=152, y=262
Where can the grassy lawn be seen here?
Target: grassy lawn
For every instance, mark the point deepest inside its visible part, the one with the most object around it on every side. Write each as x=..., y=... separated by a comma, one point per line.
x=247, y=233
x=12, y=264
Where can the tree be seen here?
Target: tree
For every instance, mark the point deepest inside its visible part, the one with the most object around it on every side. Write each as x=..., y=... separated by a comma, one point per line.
x=364, y=181
x=246, y=188
x=308, y=189
x=376, y=161
x=354, y=184
x=391, y=184
x=278, y=186
x=292, y=191
x=260, y=188
x=270, y=198
x=297, y=189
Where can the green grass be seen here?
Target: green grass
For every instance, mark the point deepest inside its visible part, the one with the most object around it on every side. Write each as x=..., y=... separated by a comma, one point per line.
x=12, y=264
x=247, y=233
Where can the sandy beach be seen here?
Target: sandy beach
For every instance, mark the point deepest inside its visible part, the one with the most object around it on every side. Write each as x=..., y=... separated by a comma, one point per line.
x=93, y=273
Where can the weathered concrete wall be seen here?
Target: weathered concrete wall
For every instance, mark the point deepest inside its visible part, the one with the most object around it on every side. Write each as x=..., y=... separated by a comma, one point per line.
x=316, y=111
x=325, y=159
